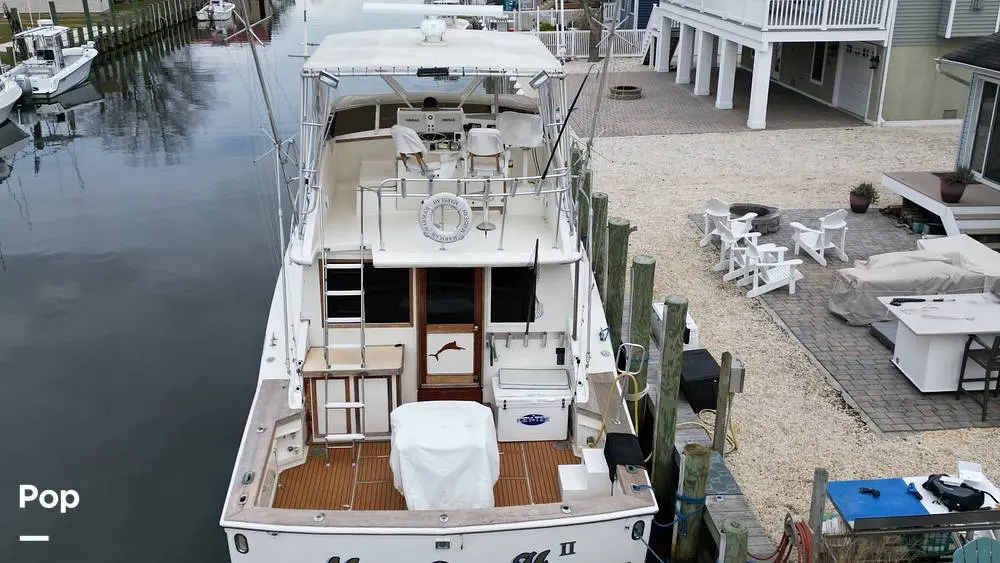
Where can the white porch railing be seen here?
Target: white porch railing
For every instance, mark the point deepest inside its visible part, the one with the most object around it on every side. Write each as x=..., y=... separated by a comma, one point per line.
x=796, y=14
x=528, y=20
x=626, y=43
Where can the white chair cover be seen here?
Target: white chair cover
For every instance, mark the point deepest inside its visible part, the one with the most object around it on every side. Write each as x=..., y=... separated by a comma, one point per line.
x=522, y=130
x=484, y=142
x=407, y=140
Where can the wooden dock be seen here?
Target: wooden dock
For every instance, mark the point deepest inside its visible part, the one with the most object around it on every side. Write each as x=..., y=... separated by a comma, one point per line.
x=724, y=499
x=116, y=30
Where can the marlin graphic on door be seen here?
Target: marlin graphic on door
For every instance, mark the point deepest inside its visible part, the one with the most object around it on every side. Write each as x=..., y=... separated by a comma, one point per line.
x=449, y=353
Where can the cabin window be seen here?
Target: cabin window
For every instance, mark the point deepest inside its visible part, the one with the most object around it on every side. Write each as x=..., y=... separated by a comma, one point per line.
x=818, y=62
x=985, y=132
x=511, y=295
x=451, y=296
x=387, y=294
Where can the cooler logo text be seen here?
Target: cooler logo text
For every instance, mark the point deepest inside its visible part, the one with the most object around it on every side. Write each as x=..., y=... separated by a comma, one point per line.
x=533, y=419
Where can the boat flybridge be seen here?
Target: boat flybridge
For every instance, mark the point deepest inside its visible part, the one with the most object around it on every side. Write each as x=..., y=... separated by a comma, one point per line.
x=436, y=382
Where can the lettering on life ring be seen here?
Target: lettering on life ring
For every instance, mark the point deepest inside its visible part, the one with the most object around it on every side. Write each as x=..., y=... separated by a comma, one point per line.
x=439, y=201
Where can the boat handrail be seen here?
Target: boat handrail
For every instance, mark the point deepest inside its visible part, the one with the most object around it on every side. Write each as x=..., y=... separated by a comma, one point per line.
x=381, y=190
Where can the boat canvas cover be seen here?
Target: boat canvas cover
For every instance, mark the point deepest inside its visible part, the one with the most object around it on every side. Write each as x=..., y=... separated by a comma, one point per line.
x=403, y=51
x=897, y=274
x=444, y=455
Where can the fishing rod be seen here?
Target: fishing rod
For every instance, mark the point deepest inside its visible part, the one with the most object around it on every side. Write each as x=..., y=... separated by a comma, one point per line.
x=534, y=291
x=572, y=106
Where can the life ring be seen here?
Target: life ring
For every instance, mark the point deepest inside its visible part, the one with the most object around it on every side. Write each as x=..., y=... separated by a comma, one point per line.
x=440, y=201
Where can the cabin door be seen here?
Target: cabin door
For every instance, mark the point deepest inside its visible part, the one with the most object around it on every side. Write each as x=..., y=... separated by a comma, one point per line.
x=450, y=333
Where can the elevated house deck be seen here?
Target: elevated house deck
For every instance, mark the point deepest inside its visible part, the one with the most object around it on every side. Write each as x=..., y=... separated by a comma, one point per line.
x=977, y=215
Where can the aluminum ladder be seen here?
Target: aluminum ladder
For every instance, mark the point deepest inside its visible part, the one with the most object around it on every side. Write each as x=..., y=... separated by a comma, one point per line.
x=356, y=407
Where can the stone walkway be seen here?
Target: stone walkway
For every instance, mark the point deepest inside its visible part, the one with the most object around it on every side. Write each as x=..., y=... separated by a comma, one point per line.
x=858, y=363
x=668, y=108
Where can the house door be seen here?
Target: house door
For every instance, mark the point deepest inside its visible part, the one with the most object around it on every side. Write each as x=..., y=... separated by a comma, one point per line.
x=855, y=81
x=450, y=333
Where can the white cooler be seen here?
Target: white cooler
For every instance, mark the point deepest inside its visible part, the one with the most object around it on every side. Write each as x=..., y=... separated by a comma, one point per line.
x=531, y=404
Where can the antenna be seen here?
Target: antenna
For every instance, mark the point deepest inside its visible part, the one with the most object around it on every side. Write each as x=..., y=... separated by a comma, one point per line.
x=434, y=25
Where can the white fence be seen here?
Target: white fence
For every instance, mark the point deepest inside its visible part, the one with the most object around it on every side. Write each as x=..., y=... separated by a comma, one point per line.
x=796, y=14
x=626, y=43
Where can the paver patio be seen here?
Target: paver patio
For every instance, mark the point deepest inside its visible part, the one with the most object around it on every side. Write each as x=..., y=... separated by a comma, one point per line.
x=668, y=108
x=856, y=360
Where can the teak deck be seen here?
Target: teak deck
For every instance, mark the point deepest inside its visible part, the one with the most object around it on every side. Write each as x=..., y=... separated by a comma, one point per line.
x=528, y=475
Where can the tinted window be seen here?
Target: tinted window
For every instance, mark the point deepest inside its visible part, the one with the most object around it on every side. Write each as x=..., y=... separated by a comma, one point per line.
x=387, y=294
x=451, y=296
x=510, y=297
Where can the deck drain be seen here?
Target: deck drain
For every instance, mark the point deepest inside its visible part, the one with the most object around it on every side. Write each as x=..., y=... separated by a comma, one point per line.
x=625, y=92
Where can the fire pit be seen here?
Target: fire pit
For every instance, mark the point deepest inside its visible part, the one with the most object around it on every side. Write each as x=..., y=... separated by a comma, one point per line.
x=768, y=219
x=625, y=92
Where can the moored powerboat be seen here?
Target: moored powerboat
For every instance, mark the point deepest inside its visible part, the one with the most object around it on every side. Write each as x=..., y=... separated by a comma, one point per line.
x=435, y=384
x=52, y=69
x=215, y=10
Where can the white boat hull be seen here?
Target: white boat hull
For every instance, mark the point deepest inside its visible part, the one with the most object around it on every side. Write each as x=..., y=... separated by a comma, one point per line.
x=535, y=542
x=215, y=13
x=10, y=93
x=66, y=79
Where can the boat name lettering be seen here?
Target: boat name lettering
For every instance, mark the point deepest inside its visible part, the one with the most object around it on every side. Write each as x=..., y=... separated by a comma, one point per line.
x=568, y=548
x=532, y=557
x=533, y=419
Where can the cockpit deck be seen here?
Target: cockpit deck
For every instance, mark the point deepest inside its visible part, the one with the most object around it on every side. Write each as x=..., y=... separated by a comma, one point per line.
x=528, y=475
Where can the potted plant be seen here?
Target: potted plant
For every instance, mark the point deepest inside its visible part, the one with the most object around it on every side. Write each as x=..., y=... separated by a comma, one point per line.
x=862, y=196
x=953, y=184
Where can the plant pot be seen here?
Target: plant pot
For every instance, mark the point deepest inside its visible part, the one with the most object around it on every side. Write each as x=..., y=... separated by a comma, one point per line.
x=859, y=204
x=952, y=193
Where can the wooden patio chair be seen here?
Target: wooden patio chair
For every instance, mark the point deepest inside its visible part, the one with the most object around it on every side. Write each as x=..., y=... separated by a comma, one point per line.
x=716, y=209
x=979, y=550
x=987, y=355
x=732, y=238
x=767, y=270
x=831, y=235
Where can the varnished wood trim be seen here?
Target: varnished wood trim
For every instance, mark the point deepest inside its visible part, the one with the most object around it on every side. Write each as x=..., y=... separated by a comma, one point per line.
x=475, y=329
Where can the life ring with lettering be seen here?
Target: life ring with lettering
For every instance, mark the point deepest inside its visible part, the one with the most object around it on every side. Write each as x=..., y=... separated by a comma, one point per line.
x=440, y=201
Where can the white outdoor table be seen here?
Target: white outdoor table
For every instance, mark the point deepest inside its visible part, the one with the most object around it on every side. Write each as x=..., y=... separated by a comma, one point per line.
x=931, y=337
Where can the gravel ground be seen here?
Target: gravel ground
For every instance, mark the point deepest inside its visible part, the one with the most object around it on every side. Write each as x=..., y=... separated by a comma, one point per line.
x=789, y=420
x=631, y=64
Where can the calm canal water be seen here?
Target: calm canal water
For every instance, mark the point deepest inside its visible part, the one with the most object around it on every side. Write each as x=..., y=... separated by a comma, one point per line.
x=137, y=260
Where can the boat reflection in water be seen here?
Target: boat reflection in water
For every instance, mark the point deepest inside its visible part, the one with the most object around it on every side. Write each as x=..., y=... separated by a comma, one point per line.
x=12, y=140
x=51, y=123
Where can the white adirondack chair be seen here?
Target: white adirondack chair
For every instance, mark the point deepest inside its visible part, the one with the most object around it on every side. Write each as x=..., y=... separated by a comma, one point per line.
x=731, y=240
x=743, y=256
x=717, y=209
x=831, y=235
x=768, y=270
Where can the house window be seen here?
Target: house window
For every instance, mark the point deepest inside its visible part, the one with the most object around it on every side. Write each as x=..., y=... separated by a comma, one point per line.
x=511, y=295
x=985, y=156
x=818, y=63
x=387, y=294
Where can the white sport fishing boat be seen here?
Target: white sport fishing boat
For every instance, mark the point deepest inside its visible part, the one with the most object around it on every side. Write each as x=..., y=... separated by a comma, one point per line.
x=52, y=69
x=215, y=10
x=435, y=367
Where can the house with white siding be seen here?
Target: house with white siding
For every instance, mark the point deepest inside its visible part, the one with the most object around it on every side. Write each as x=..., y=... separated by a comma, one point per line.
x=875, y=59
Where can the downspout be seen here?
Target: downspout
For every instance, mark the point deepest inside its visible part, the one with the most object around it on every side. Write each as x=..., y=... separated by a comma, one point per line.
x=879, y=120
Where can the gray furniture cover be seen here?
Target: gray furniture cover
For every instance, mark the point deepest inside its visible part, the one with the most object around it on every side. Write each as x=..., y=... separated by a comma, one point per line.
x=896, y=274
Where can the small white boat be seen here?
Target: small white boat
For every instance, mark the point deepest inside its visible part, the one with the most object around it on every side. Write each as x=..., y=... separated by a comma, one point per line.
x=51, y=69
x=10, y=93
x=215, y=10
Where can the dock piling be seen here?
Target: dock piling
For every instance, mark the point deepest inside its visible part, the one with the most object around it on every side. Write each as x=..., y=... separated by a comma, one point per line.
x=583, y=199
x=687, y=530
x=87, y=18
x=820, y=479
x=671, y=362
x=722, y=404
x=640, y=326
x=736, y=543
x=619, y=230
x=52, y=13
x=599, y=261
